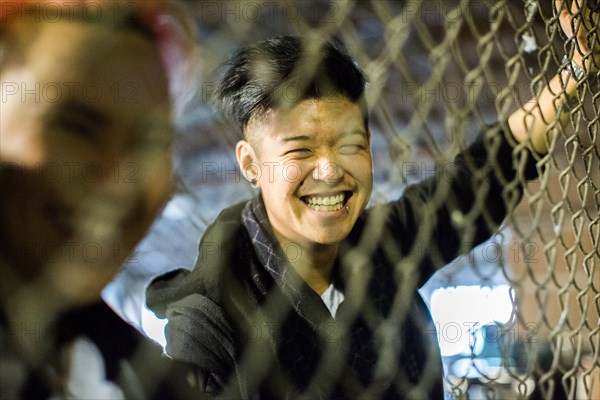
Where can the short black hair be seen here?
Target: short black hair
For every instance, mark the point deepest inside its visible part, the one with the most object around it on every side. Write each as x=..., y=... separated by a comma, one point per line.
x=282, y=71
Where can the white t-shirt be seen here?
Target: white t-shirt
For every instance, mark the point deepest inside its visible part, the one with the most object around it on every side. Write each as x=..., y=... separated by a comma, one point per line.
x=332, y=298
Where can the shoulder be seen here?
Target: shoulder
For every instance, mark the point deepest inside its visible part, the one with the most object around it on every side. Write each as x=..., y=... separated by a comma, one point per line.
x=218, y=243
x=107, y=356
x=229, y=216
x=113, y=336
x=221, y=238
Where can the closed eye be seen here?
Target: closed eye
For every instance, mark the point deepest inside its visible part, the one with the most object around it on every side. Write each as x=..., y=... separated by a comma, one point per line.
x=349, y=149
x=299, y=152
x=79, y=119
x=76, y=125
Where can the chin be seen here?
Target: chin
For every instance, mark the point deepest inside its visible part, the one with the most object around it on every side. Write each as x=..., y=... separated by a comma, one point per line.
x=328, y=239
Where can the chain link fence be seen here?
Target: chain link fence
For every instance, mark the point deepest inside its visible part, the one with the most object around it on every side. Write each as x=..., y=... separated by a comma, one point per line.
x=439, y=72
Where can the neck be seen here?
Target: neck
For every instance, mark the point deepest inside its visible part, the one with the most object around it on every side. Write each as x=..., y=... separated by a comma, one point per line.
x=314, y=263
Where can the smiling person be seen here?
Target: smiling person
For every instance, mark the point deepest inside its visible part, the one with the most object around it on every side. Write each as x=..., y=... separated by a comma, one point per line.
x=88, y=103
x=302, y=291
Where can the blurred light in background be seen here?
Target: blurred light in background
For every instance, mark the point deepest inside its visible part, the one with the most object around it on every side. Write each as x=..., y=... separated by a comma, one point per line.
x=154, y=327
x=460, y=312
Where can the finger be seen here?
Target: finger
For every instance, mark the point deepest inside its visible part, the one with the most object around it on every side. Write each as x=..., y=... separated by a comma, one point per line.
x=565, y=17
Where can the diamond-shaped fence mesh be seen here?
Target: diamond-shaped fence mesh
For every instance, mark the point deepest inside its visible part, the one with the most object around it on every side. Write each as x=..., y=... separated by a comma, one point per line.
x=439, y=72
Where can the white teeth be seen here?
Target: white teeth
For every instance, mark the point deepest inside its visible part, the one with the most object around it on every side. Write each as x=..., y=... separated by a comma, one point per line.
x=326, y=204
x=326, y=201
x=335, y=207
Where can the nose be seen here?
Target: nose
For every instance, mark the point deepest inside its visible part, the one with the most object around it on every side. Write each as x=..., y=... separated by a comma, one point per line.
x=328, y=170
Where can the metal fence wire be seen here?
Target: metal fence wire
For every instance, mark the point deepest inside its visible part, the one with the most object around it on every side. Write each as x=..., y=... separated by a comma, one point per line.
x=439, y=72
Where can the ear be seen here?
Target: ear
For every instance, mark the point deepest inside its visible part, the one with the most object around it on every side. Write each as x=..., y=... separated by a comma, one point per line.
x=248, y=162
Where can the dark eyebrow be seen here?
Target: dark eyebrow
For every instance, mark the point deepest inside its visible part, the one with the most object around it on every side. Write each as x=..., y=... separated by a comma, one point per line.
x=339, y=136
x=299, y=138
x=352, y=132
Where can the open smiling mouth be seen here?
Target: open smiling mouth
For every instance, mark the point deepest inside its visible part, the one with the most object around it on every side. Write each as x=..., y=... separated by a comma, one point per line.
x=328, y=203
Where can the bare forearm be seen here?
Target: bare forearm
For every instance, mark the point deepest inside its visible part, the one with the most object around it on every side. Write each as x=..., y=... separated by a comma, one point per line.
x=534, y=122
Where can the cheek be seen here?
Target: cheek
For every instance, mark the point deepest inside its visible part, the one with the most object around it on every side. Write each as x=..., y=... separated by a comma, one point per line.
x=152, y=189
x=22, y=145
x=369, y=179
x=21, y=206
x=294, y=173
x=360, y=169
x=157, y=180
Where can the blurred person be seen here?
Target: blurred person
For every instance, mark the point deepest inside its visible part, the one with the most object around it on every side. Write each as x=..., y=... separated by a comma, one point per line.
x=90, y=90
x=301, y=292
